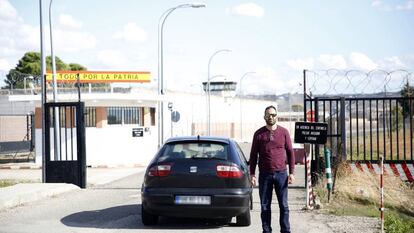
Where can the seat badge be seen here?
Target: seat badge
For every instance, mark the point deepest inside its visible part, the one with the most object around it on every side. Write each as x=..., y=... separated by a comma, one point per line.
x=193, y=169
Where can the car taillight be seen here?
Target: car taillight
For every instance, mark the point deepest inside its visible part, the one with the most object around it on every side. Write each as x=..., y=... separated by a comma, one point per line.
x=229, y=171
x=160, y=170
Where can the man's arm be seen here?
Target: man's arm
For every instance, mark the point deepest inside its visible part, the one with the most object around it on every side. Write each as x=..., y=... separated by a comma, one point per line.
x=290, y=157
x=253, y=159
x=253, y=155
x=289, y=153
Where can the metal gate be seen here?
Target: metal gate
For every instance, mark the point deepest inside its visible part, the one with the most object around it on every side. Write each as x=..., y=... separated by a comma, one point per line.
x=362, y=128
x=65, y=160
x=17, y=135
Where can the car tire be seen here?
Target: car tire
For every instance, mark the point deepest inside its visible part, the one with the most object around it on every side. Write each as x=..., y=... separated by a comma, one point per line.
x=243, y=219
x=147, y=218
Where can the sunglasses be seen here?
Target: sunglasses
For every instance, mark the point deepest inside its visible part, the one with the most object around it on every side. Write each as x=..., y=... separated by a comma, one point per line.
x=270, y=115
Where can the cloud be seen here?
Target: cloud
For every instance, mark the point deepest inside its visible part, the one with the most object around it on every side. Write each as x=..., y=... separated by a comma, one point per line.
x=376, y=3
x=72, y=41
x=333, y=61
x=7, y=11
x=68, y=22
x=131, y=33
x=362, y=61
x=4, y=65
x=301, y=63
x=409, y=5
x=248, y=9
x=16, y=37
x=406, y=5
x=395, y=61
x=112, y=59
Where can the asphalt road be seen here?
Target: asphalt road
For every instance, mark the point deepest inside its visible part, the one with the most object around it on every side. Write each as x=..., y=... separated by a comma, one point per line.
x=115, y=207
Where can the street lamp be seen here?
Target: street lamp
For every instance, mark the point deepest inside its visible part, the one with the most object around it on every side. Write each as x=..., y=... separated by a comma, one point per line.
x=161, y=23
x=55, y=96
x=240, y=96
x=208, y=86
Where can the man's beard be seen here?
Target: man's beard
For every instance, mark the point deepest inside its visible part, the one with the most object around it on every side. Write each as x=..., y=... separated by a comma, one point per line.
x=270, y=122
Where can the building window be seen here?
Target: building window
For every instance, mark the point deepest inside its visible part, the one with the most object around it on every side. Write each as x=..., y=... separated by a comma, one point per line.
x=90, y=116
x=123, y=115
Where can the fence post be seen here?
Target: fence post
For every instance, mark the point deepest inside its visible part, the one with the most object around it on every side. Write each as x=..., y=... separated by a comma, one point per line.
x=343, y=130
x=382, y=192
x=328, y=172
x=308, y=176
x=317, y=159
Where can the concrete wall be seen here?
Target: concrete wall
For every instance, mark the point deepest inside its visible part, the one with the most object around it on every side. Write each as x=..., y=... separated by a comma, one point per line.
x=112, y=146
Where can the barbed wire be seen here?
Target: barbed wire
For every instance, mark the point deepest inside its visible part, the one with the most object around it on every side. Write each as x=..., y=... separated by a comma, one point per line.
x=356, y=82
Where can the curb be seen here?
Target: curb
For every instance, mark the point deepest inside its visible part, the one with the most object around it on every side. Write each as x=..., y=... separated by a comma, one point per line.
x=16, y=167
x=20, y=194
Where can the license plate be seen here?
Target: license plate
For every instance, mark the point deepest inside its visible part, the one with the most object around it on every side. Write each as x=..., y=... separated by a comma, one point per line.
x=192, y=200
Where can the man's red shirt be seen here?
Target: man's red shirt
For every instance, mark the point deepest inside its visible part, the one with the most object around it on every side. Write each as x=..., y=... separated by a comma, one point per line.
x=273, y=149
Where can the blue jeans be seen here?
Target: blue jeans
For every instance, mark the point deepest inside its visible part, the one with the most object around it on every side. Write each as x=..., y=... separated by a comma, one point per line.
x=278, y=181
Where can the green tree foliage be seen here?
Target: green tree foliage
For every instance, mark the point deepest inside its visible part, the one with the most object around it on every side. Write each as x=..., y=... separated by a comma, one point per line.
x=297, y=107
x=29, y=65
x=407, y=104
x=397, y=118
x=75, y=66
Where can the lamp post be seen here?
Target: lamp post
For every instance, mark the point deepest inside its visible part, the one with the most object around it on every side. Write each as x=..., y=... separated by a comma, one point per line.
x=161, y=23
x=55, y=95
x=241, y=109
x=43, y=73
x=208, y=86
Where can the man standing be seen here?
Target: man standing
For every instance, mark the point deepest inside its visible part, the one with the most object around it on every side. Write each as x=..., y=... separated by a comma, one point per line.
x=273, y=148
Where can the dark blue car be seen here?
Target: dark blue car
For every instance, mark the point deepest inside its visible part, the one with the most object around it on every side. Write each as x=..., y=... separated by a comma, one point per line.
x=197, y=177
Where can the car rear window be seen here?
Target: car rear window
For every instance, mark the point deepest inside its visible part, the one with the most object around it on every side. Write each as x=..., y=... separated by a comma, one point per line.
x=194, y=150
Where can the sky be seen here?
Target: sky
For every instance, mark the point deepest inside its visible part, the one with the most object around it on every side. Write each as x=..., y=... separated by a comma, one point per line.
x=275, y=39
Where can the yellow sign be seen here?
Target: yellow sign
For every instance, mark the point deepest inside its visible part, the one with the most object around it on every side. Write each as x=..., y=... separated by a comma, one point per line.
x=100, y=76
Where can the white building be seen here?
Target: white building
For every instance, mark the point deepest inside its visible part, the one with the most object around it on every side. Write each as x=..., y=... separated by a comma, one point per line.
x=113, y=115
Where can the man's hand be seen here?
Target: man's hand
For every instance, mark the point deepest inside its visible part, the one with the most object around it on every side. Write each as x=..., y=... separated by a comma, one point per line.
x=291, y=179
x=253, y=180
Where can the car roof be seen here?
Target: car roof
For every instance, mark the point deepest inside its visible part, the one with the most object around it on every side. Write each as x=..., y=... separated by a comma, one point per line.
x=199, y=138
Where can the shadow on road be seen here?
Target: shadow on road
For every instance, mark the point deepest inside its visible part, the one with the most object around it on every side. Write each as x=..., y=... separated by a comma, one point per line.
x=129, y=217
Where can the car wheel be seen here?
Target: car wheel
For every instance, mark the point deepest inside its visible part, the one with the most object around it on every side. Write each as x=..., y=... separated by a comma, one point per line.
x=243, y=219
x=147, y=218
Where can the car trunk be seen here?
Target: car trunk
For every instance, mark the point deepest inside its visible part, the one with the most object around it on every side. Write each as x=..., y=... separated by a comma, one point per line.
x=196, y=173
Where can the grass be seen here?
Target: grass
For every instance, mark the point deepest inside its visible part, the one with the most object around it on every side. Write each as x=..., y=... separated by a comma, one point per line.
x=10, y=182
x=393, y=142
x=358, y=194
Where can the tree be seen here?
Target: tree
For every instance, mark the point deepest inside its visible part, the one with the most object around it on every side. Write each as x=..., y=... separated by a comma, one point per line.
x=407, y=103
x=75, y=66
x=297, y=107
x=29, y=65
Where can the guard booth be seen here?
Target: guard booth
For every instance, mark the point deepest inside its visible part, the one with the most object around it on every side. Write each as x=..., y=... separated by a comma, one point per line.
x=65, y=151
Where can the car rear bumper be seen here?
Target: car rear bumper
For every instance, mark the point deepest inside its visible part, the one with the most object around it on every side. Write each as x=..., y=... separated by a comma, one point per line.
x=224, y=202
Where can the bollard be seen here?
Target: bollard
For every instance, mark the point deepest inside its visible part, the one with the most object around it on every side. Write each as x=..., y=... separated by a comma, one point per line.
x=328, y=172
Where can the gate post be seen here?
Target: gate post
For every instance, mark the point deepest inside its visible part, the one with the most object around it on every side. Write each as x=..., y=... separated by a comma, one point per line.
x=343, y=130
x=317, y=159
x=80, y=131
